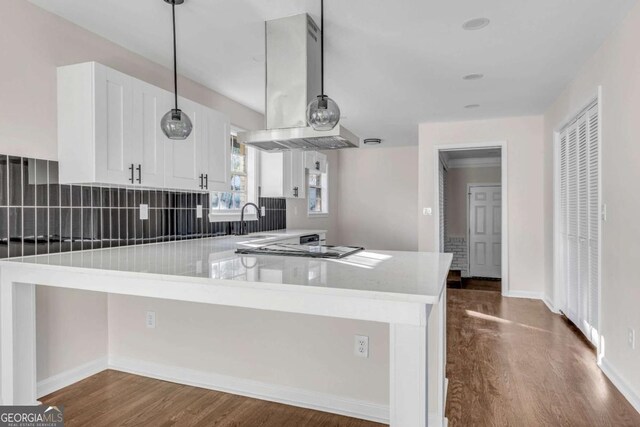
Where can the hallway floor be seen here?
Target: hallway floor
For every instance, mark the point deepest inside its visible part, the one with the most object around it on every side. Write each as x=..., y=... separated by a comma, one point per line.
x=511, y=362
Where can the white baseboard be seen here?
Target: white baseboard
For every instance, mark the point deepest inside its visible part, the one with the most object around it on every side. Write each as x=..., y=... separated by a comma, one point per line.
x=550, y=305
x=255, y=389
x=525, y=294
x=66, y=378
x=631, y=395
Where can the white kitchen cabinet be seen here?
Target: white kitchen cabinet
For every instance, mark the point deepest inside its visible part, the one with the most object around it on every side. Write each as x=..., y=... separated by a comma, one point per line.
x=148, y=154
x=216, y=155
x=315, y=161
x=184, y=165
x=109, y=133
x=282, y=174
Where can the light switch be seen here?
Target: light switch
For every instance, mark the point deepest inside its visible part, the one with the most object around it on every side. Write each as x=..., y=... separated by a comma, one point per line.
x=427, y=211
x=144, y=211
x=199, y=211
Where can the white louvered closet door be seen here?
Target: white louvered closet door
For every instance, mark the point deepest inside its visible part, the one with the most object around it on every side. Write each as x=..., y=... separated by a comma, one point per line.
x=578, y=225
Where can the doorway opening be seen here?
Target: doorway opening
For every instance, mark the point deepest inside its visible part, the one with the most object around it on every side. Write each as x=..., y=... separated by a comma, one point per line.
x=472, y=214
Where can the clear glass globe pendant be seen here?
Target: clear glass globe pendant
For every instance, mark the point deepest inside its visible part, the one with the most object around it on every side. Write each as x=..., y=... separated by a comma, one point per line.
x=323, y=113
x=176, y=124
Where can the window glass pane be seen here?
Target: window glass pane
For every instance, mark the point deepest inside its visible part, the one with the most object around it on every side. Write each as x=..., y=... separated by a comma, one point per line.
x=239, y=183
x=315, y=180
x=315, y=204
x=215, y=200
x=238, y=156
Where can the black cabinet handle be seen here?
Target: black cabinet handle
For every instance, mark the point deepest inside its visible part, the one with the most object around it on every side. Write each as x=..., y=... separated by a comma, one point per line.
x=206, y=181
x=317, y=166
x=201, y=181
x=131, y=169
x=139, y=169
x=295, y=191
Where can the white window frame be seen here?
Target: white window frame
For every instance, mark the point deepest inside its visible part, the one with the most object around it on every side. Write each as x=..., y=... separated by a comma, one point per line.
x=324, y=176
x=253, y=172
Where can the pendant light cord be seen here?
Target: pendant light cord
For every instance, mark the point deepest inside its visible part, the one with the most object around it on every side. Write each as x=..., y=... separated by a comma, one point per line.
x=322, y=47
x=175, y=61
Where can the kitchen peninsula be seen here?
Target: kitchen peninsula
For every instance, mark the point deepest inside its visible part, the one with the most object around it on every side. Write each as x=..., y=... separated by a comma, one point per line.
x=403, y=289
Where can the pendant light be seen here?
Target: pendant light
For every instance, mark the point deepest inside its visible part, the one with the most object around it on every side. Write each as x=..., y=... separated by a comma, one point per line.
x=175, y=124
x=322, y=113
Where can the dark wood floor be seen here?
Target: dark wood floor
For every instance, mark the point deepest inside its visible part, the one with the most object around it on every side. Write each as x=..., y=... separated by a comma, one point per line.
x=476, y=284
x=113, y=398
x=511, y=362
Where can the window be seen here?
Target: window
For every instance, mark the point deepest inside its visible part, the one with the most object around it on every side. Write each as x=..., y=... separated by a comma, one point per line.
x=243, y=187
x=318, y=192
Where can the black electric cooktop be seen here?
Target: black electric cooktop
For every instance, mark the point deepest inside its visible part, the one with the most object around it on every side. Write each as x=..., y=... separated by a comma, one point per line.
x=311, y=251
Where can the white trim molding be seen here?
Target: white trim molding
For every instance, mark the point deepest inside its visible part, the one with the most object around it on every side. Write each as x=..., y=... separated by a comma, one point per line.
x=525, y=294
x=71, y=376
x=483, y=162
x=254, y=389
x=620, y=383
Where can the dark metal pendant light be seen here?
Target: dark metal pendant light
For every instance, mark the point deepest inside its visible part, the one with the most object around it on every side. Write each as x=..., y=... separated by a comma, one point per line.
x=175, y=124
x=322, y=113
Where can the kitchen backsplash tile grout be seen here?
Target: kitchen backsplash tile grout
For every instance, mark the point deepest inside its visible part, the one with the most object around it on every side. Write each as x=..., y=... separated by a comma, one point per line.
x=39, y=216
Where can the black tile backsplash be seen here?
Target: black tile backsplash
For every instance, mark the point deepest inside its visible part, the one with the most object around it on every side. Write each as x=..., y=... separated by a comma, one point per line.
x=40, y=216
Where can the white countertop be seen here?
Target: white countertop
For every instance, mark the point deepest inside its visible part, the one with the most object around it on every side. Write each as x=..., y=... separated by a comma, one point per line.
x=388, y=275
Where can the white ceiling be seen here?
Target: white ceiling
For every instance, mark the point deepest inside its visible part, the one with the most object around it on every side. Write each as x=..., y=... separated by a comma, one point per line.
x=390, y=65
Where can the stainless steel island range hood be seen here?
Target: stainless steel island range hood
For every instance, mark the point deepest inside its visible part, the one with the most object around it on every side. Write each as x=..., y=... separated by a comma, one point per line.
x=292, y=81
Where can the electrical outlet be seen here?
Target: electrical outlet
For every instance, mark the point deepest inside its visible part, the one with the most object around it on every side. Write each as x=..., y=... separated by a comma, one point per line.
x=199, y=211
x=631, y=338
x=361, y=348
x=604, y=212
x=144, y=211
x=151, y=319
x=427, y=211
x=263, y=211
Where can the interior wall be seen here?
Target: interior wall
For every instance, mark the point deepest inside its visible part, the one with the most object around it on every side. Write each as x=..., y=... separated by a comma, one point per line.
x=304, y=352
x=456, y=193
x=616, y=68
x=524, y=137
x=377, y=204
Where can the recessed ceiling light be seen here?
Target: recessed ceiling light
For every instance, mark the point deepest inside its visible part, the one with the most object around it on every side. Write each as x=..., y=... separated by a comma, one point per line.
x=372, y=141
x=471, y=106
x=473, y=77
x=475, y=24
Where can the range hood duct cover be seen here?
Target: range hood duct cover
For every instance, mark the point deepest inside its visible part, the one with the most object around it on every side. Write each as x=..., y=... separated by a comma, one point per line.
x=292, y=81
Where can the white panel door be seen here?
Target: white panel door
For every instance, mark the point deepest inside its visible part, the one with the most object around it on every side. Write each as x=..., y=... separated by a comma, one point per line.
x=183, y=158
x=115, y=135
x=485, y=231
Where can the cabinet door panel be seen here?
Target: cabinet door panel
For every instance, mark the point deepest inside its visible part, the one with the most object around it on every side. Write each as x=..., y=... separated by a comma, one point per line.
x=114, y=126
x=216, y=151
x=297, y=174
x=183, y=158
x=149, y=108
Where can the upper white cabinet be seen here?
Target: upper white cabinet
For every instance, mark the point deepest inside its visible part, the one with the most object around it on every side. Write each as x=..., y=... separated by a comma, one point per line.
x=109, y=133
x=183, y=158
x=316, y=161
x=282, y=174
